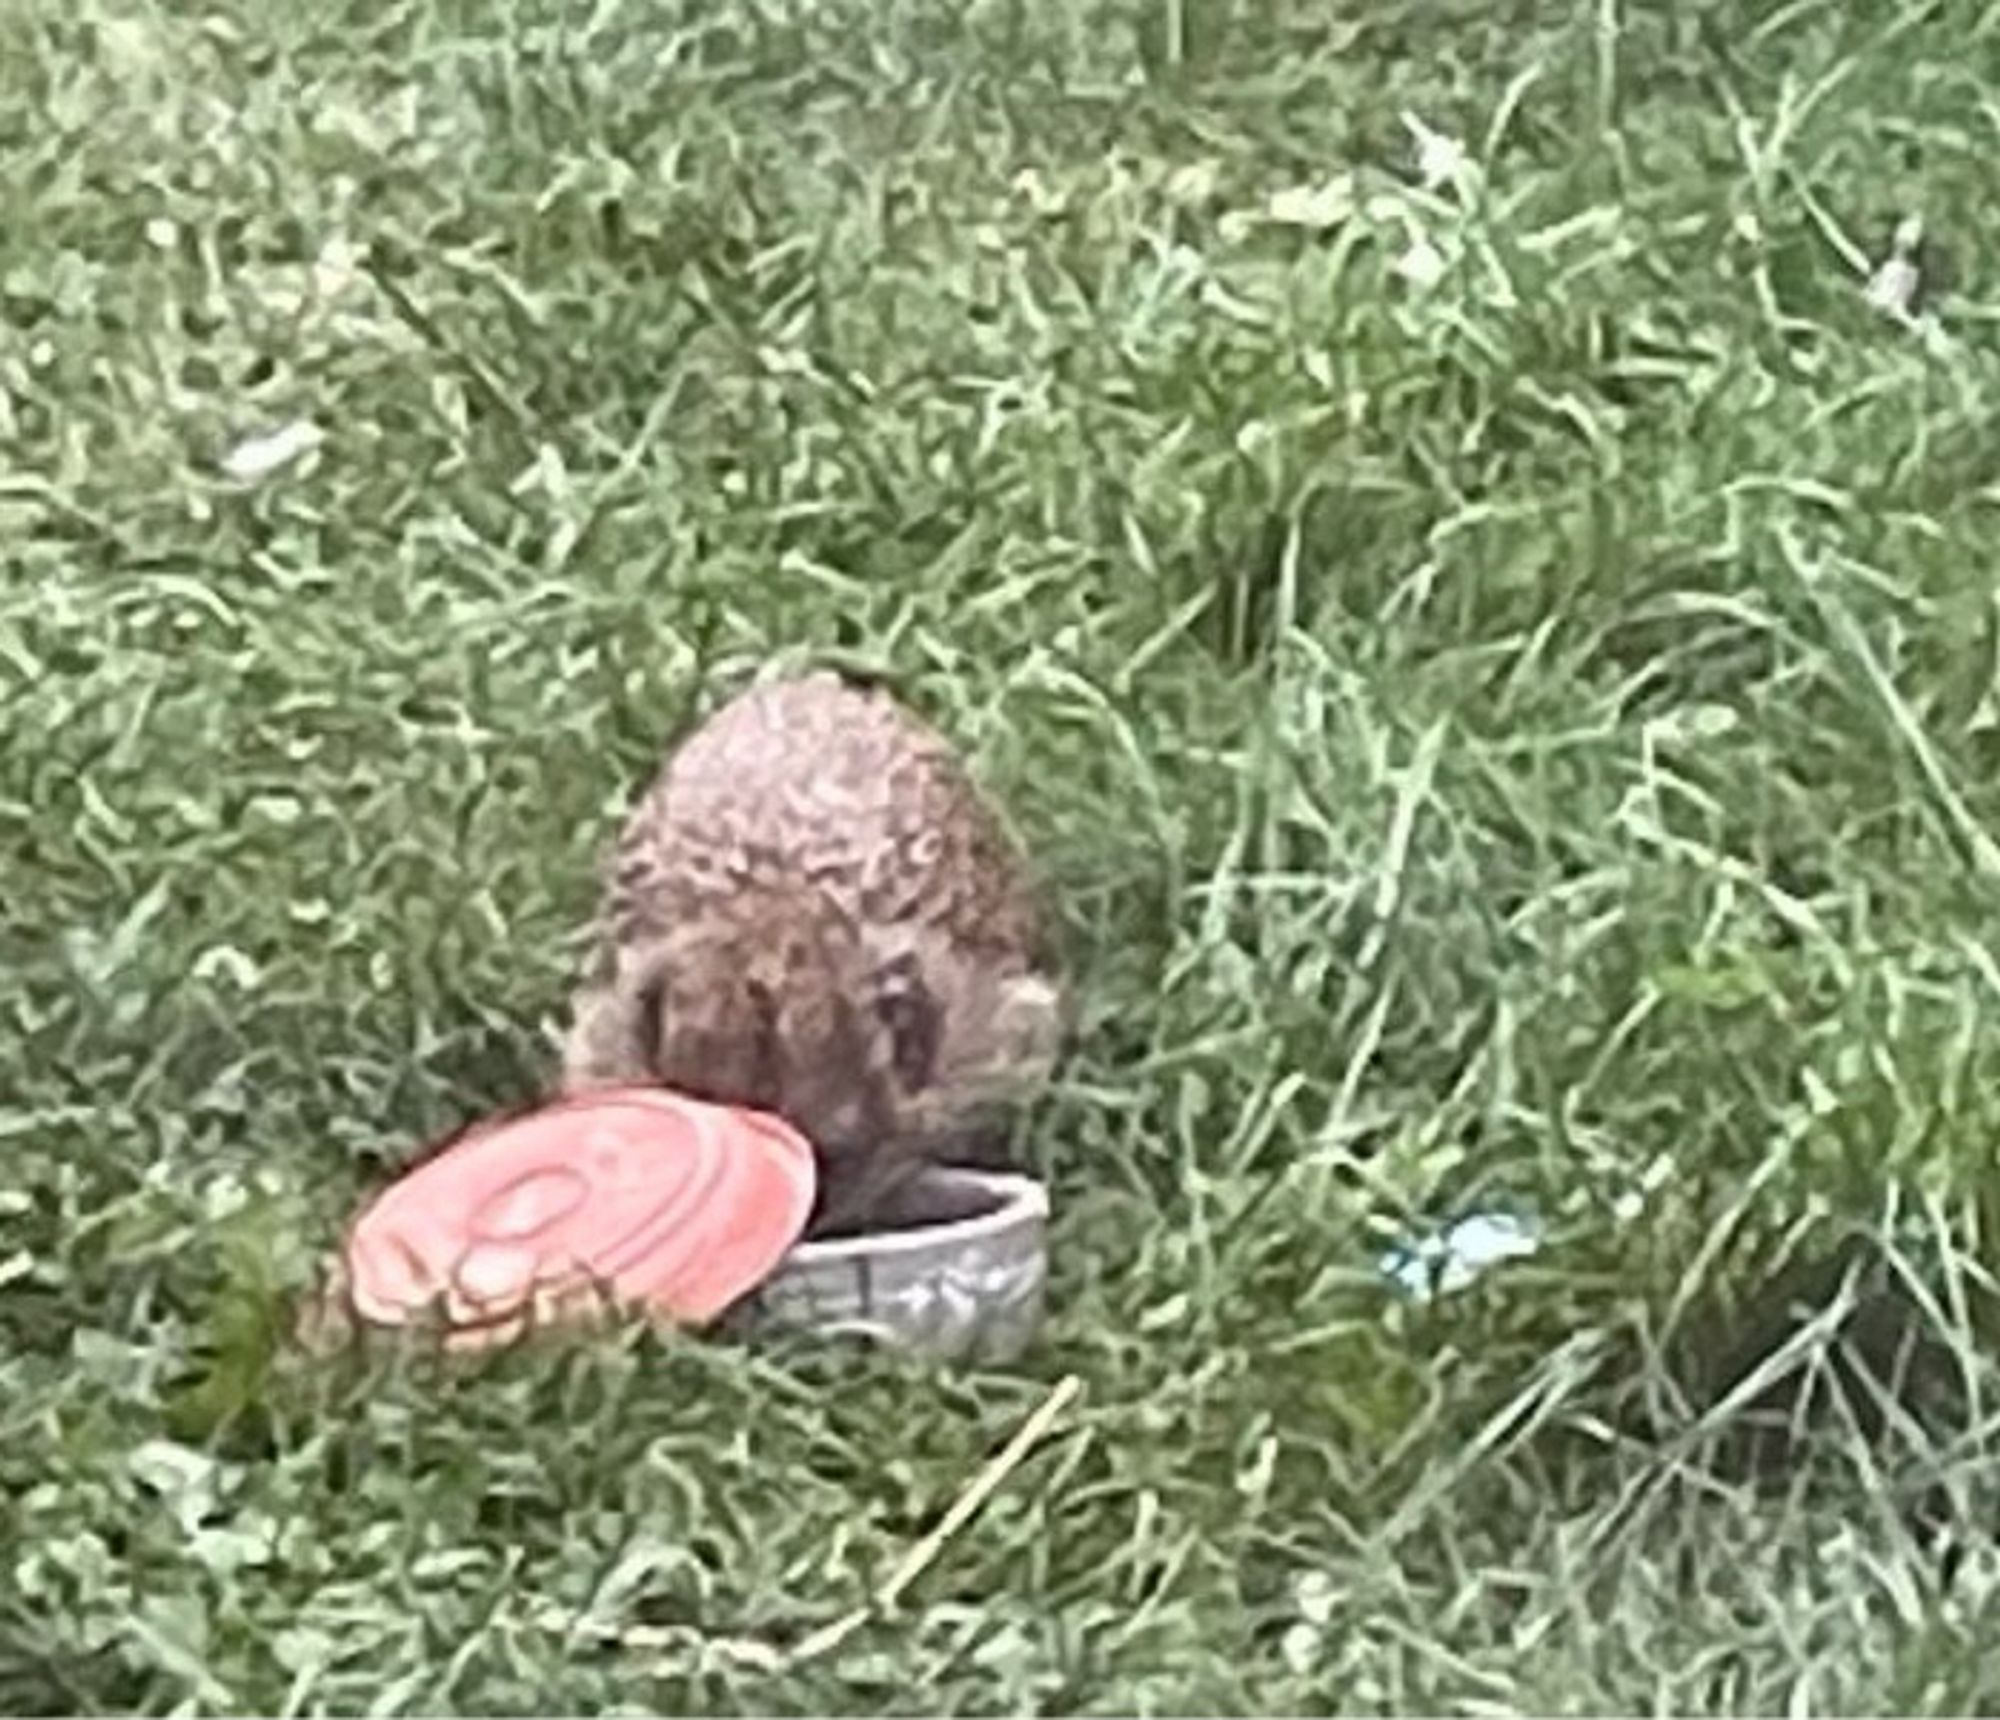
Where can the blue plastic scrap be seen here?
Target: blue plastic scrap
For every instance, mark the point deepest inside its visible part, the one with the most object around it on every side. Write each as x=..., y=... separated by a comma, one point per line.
x=1452, y=1259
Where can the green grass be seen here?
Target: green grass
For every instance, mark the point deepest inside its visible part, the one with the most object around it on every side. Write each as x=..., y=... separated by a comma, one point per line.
x=1525, y=741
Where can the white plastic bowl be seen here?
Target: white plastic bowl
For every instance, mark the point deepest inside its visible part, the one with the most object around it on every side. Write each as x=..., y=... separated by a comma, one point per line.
x=964, y=1282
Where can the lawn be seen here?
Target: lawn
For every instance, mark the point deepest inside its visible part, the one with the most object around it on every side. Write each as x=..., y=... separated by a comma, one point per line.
x=1489, y=632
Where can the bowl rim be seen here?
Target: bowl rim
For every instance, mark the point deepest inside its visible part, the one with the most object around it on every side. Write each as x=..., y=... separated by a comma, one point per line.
x=1022, y=1200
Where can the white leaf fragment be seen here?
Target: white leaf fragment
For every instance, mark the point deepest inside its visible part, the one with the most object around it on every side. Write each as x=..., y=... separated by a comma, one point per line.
x=1441, y=159
x=1422, y=264
x=260, y=456
x=1894, y=286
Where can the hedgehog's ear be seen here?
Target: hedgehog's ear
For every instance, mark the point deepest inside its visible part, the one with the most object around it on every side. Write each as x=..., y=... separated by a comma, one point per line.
x=1032, y=1020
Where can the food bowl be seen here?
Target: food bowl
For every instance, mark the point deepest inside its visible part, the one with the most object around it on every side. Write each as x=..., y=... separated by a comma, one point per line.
x=960, y=1277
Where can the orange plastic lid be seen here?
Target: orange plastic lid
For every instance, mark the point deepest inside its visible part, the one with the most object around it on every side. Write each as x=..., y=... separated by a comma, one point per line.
x=637, y=1195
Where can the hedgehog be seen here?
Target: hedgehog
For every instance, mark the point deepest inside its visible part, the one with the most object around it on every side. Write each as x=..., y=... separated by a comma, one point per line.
x=813, y=911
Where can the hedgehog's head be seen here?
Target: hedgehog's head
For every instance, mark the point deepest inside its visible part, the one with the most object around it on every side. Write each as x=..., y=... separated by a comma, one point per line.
x=882, y=1048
